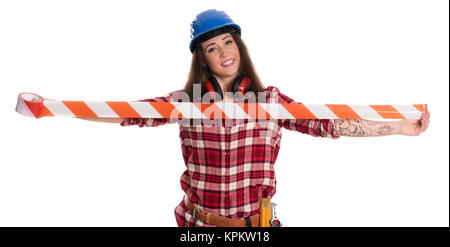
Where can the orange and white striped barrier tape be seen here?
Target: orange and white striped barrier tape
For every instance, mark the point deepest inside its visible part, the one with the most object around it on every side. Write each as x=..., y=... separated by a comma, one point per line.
x=33, y=105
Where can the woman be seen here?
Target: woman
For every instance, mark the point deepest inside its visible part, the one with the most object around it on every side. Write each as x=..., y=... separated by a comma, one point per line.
x=230, y=163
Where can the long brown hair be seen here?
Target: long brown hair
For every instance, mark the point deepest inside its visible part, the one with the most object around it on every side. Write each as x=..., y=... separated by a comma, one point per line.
x=199, y=73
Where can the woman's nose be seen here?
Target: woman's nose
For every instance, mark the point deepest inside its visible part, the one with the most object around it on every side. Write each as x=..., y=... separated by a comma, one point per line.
x=222, y=52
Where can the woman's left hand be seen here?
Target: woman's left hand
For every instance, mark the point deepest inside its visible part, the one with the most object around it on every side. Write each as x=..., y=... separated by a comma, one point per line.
x=415, y=127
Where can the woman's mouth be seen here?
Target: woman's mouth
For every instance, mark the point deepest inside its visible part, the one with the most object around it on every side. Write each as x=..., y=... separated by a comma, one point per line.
x=228, y=63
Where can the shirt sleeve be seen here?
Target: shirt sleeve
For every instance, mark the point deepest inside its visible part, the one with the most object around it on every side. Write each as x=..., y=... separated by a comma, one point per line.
x=151, y=122
x=313, y=127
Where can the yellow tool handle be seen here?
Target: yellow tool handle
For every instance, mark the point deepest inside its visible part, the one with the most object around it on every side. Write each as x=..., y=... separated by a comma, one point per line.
x=265, y=213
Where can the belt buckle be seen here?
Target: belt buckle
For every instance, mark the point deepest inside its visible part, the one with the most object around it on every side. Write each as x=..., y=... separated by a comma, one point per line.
x=194, y=214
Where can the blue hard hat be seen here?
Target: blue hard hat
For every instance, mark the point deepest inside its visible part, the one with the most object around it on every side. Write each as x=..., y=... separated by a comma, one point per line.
x=208, y=21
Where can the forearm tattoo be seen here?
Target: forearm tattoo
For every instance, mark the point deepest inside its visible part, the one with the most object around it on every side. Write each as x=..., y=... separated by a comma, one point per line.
x=361, y=128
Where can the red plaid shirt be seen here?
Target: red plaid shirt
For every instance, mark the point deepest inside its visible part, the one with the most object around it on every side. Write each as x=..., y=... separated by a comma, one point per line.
x=230, y=164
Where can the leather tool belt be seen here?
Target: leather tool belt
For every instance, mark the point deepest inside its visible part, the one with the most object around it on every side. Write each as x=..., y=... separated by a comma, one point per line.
x=220, y=221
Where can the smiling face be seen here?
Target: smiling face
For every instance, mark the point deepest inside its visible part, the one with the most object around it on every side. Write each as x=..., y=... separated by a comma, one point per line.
x=222, y=56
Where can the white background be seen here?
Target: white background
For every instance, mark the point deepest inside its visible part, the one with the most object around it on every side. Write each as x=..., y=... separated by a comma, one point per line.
x=69, y=172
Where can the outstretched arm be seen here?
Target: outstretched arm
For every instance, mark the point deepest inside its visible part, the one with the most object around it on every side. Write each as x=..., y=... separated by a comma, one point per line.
x=104, y=120
x=365, y=128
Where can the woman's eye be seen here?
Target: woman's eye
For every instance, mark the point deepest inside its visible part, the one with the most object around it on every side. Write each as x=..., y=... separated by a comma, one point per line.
x=227, y=43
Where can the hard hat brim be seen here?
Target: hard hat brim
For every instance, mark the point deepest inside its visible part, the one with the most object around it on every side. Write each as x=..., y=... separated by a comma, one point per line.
x=213, y=32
